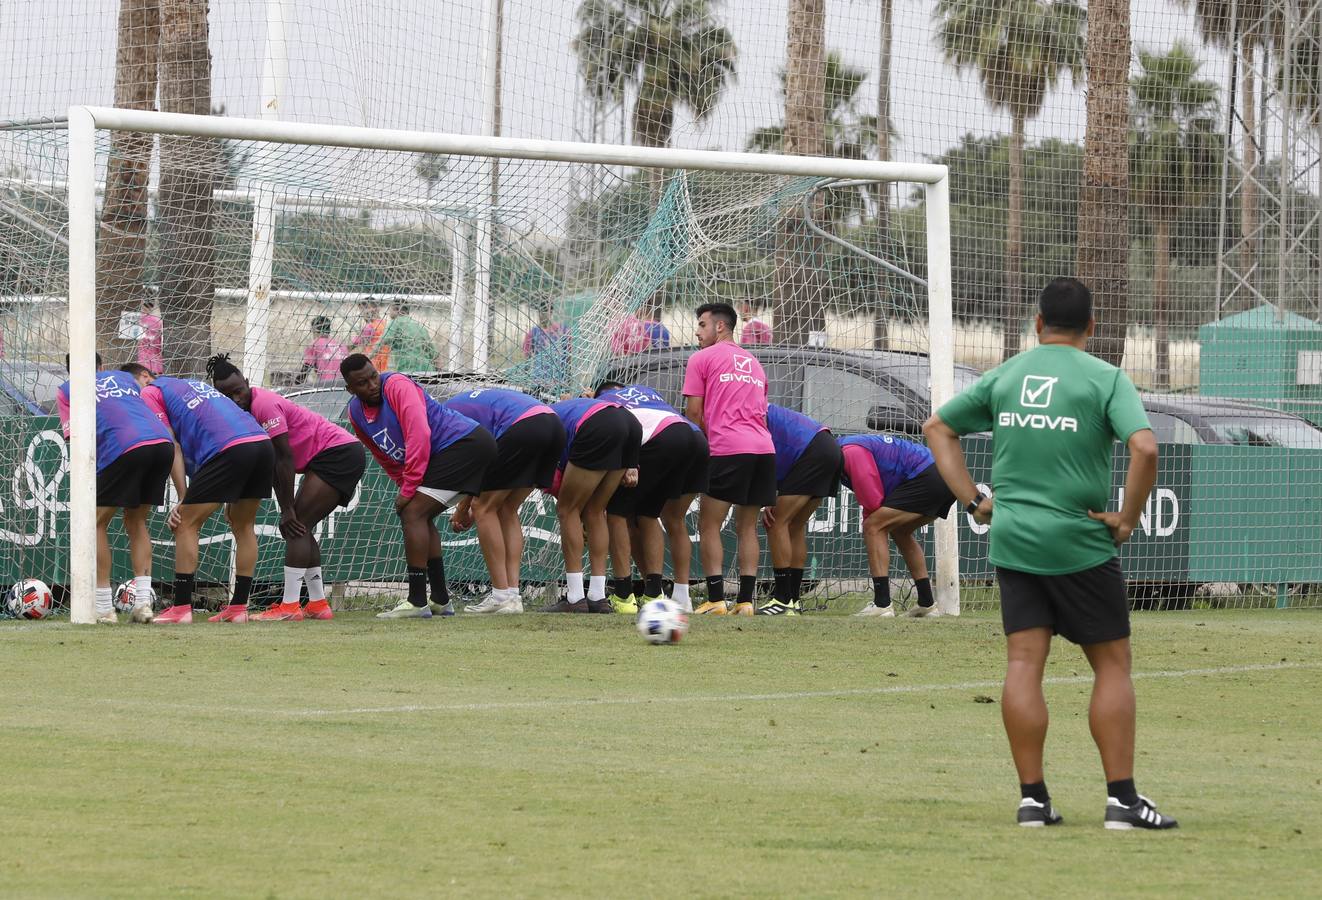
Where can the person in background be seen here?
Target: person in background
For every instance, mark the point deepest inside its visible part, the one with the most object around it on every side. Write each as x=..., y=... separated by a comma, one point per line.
x=629, y=335
x=321, y=358
x=755, y=331
x=368, y=341
x=408, y=342
x=150, y=343
x=546, y=346
x=658, y=335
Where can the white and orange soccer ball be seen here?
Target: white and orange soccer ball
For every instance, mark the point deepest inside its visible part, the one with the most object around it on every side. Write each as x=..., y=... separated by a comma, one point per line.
x=30, y=599
x=661, y=621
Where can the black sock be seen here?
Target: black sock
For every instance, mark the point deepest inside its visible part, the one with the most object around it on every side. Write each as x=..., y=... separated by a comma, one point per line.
x=652, y=586
x=242, y=590
x=440, y=591
x=417, y=586
x=638, y=587
x=622, y=587
x=1123, y=790
x=747, y=585
x=796, y=583
x=782, y=590
x=716, y=588
x=183, y=588
x=924, y=588
x=881, y=591
x=1037, y=791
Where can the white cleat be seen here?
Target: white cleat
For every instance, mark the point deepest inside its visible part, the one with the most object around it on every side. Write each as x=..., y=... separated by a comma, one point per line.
x=406, y=610
x=142, y=614
x=922, y=612
x=107, y=618
x=493, y=605
x=873, y=611
x=513, y=606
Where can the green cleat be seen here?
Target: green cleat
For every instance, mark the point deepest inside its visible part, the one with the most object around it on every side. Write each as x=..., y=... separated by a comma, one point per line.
x=406, y=610
x=627, y=606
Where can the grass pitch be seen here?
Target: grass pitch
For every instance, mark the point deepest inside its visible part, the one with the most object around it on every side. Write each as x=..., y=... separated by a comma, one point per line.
x=538, y=755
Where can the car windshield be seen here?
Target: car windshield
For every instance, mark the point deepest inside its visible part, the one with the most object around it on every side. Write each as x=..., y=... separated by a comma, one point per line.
x=38, y=383
x=1266, y=431
x=918, y=376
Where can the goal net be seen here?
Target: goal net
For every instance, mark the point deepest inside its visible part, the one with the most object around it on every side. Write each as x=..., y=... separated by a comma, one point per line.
x=540, y=265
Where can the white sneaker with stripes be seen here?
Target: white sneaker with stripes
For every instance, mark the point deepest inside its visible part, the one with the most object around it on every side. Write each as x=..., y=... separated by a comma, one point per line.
x=1142, y=814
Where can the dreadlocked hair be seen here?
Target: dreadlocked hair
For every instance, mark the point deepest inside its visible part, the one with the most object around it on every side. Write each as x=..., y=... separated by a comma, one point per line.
x=219, y=367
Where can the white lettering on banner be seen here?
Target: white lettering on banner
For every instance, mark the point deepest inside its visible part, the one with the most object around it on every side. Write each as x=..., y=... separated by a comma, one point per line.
x=1039, y=421
x=1161, y=513
x=974, y=525
x=726, y=377
x=32, y=489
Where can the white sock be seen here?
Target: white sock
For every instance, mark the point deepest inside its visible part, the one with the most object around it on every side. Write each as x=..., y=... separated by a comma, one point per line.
x=680, y=592
x=506, y=594
x=103, y=600
x=575, y=582
x=312, y=578
x=294, y=584
x=596, y=587
x=141, y=589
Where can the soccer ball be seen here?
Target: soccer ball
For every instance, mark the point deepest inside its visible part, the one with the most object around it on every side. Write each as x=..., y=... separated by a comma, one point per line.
x=30, y=599
x=661, y=621
x=125, y=597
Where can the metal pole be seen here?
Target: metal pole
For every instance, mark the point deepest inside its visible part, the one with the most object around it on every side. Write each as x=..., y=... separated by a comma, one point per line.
x=458, y=235
x=491, y=80
x=941, y=359
x=1286, y=175
x=1227, y=146
x=82, y=366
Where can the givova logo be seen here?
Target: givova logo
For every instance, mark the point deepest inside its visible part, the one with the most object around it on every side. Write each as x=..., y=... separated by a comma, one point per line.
x=1036, y=391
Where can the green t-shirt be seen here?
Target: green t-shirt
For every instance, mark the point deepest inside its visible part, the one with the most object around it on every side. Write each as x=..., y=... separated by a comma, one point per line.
x=411, y=349
x=1054, y=413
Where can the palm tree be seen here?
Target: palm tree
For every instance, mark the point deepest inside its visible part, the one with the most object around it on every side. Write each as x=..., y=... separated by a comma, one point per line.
x=1103, y=218
x=672, y=52
x=1174, y=161
x=1019, y=49
x=122, y=238
x=188, y=177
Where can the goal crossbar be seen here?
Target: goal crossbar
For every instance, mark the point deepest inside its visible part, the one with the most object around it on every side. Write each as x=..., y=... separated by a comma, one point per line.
x=85, y=121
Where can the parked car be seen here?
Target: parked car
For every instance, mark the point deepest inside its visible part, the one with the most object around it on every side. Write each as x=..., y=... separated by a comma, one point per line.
x=1195, y=419
x=849, y=391
x=332, y=401
x=30, y=388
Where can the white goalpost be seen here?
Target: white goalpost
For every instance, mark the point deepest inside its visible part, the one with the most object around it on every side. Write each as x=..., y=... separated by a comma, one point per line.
x=84, y=123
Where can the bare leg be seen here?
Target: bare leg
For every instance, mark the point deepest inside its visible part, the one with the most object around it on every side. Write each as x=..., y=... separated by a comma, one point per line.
x=621, y=546
x=513, y=529
x=651, y=549
x=103, y=516
x=750, y=548
x=674, y=517
x=191, y=517
x=417, y=521
x=1112, y=712
x=711, y=516
x=798, y=528
x=135, y=523
x=1023, y=706
x=594, y=521
x=242, y=516
x=491, y=536
x=576, y=489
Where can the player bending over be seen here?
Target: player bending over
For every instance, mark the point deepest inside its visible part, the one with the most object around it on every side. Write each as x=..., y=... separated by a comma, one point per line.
x=227, y=458
x=900, y=490
x=134, y=455
x=432, y=453
x=529, y=440
x=331, y=462
x=601, y=442
x=808, y=462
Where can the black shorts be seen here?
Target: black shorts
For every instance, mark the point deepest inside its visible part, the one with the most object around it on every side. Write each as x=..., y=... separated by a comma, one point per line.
x=137, y=478
x=607, y=441
x=340, y=467
x=527, y=454
x=662, y=463
x=461, y=466
x=698, y=473
x=243, y=472
x=744, y=479
x=816, y=473
x=1086, y=607
x=925, y=494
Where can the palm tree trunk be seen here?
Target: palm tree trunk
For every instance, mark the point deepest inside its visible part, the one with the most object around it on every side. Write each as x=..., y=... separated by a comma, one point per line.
x=1161, y=290
x=1248, y=207
x=1103, y=251
x=799, y=284
x=188, y=173
x=122, y=245
x=881, y=316
x=1014, y=245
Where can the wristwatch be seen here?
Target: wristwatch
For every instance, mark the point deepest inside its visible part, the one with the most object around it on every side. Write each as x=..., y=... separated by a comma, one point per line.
x=972, y=508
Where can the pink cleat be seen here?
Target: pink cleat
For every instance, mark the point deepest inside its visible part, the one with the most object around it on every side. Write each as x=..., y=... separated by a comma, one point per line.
x=175, y=615
x=281, y=612
x=232, y=613
x=318, y=609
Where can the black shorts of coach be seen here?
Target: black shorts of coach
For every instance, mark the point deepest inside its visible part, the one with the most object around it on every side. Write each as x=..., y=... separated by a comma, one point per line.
x=461, y=466
x=610, y=439
x=340, y=467
x=527, y=454
x=1087, y=607
x=816, y=473
x=137, y=478
x=242, y=472
x=925, y=494
x=744, y=479
x=698, y=475
x=662, y=462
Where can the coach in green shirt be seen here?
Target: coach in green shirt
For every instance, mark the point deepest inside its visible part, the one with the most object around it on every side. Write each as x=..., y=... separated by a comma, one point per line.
x=411, y=349
x=1054, y=413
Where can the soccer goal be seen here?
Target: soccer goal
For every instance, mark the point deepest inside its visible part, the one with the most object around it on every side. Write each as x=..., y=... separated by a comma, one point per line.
x=539, y=264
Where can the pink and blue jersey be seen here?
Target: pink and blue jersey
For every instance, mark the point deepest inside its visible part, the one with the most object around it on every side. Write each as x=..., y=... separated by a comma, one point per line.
x=496, y=409
x=205, y=421
x=309, y=433
x=733, y=388
x=406, y=429
x=123, y=421
x=791, y=432
x=876, y=464
x=573, y=413
x=640, y=396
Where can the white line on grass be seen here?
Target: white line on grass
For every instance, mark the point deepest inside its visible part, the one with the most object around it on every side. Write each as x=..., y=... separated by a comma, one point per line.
x=684, y=698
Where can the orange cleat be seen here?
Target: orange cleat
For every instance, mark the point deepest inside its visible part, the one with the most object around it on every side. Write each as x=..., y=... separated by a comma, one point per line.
x=318, y=609
x=232, y=613
x=175, y=615
x=281, y=612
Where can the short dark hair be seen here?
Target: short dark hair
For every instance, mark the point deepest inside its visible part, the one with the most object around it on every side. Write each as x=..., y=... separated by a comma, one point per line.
x=402, y=307
x=98, y=362
x=605, y=386
x=352, y=363
x=1065, y=305
x=321, y=325
x=219, y=368
x=723, y=311
x=136, y=369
